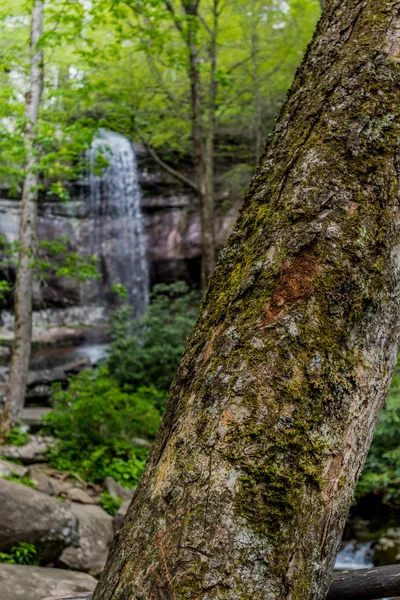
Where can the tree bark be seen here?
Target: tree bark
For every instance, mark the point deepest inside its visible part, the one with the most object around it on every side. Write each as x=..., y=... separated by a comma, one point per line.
x=18, y=374
x=322, y=3
x=270, y=417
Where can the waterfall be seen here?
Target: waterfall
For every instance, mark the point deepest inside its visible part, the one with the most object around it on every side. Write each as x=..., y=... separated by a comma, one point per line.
x=354, y=555
x=117, y=237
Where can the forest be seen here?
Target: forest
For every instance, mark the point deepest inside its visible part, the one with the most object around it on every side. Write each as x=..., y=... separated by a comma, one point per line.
x=199, y=299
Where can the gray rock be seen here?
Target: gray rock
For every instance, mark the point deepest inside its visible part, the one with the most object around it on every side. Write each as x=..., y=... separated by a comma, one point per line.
x=60, y=373
x=89, y=315
x=117, y=490
x=56, y=483
x=5, y=352
x=95, y=536
x=38, y=392
x=32, y=452
x=32, y=415
x=29, y=516
x=8, y=468
x=119, y=517
x=88, y=596
x=387, y=550
x=19, y=582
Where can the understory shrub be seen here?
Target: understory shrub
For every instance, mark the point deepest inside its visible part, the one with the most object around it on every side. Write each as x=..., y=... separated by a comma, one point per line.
x=18, y=436
x=110, y=503
x=22, y=554
x=147, y=351
x=97, y=419
x=381, y=475
x=96, y=423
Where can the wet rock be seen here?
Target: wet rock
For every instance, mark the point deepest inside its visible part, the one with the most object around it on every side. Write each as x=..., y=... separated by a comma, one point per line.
x=38, y=392
x=61, y=373
x=19, y=582
x=32, y=452
x=26, y=515
x=96, y=533
x=8, y=468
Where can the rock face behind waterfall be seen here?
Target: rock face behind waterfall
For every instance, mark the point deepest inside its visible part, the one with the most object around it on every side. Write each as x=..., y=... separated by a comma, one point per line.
x=117, y=234
x=99, y=224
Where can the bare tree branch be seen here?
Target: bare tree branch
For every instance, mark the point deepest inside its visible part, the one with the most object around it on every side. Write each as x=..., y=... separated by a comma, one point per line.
x=168, y=168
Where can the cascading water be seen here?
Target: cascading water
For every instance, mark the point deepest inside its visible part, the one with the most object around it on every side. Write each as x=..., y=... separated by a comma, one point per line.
x=354, y=555
x=118, y=236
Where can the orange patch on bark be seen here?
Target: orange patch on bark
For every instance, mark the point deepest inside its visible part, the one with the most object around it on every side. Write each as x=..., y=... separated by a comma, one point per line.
x=295, y=284
x=209, y=345
x=227, y=417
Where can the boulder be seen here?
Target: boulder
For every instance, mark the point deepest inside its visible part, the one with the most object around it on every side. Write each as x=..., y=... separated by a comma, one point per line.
x=117, y=490
x=5, y=353
x=119, y=517
x=32, y=452
x=387, y=550
x=26, y=515
x=32, y=416
x=56, y=483
x=88, y=596
x=96, y=533
x=19, y=582
x=8, y=468
x=60, y=373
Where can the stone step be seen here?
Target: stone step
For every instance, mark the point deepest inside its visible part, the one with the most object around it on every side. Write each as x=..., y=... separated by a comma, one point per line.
x=32, y=416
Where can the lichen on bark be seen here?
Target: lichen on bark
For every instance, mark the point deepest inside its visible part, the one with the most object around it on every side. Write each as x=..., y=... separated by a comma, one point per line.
x=269, y=419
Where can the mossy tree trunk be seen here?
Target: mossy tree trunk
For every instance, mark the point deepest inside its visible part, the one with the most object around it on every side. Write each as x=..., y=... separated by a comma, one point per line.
x=16, y=385
x=270, y=417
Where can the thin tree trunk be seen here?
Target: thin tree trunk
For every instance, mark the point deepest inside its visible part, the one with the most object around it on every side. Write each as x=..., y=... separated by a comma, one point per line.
x=258, y=129
x=203, y=166
x=270, y=417
x=322, y=3
x=202, y=140
x=17, y=379
x=209, y=150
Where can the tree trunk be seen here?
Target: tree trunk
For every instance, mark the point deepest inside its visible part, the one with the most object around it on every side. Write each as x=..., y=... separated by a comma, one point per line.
x=366, y=584
x=258, y=140
x=208, y=264
x=270, y=417
x=17, y=378
x=203, y=166
x=322, y=3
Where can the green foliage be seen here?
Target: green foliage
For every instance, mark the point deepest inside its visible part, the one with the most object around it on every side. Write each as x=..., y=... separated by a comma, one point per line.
x=96, y=423
x=64, y=263
x=22, y=480
x=18, y=436
x=22, y=554
x=382, y=470
x=4, y=288
x=110, y=503
x=147, y=351
x=120, y=290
